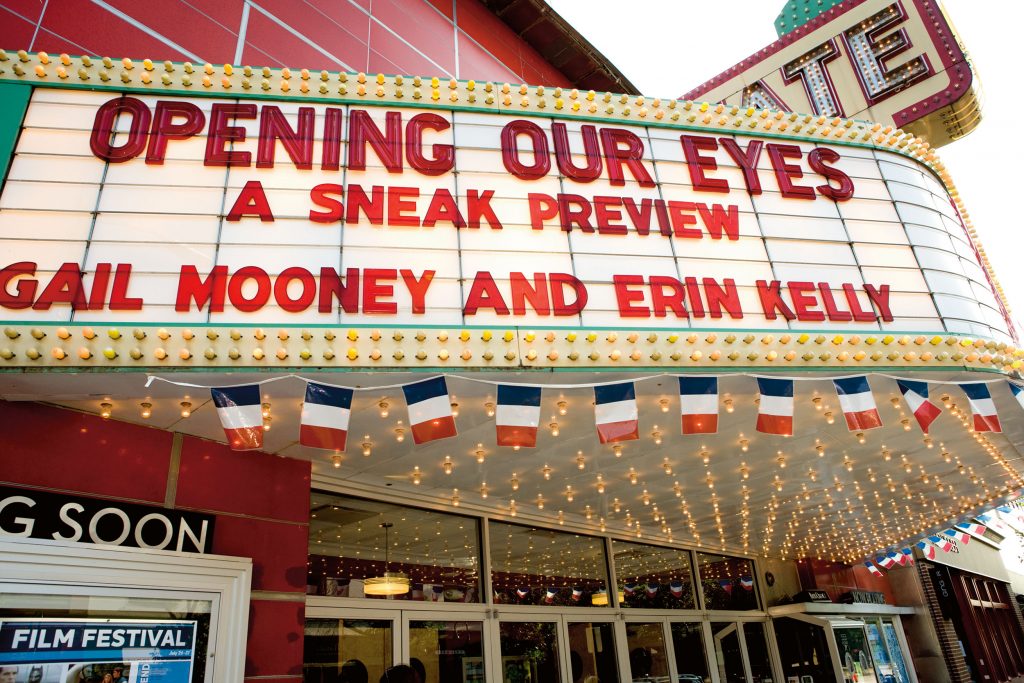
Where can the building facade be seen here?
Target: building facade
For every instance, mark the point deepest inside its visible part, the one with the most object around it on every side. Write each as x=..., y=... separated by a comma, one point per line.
x=314, y=372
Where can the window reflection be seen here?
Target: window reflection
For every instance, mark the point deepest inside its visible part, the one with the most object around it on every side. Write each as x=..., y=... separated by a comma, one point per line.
x=438, y=553
x=727, y=582
x=531, y=566
x=653, y=577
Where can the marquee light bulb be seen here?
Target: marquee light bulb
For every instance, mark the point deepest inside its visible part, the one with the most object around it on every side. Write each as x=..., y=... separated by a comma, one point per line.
x=416, y=475
x=729, y=407
x=147, y=409
x=447, y=465
x=581, y=462
x=336, y=461
x=367, y=446
x=186, y=408
x=546, y=471
x=489, y=407
x=384, y=406
x=266, y=423
x=554, y=428
x=563, y=407
x=266, y=410
x=830, y=418
x=399, y=434
x=480, y=455
x=664, y=405
x=105, y=410
x=514, y=482
x=455, y=409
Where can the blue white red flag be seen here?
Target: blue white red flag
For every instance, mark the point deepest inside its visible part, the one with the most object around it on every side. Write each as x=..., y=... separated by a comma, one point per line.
x=325, y=417
x=908, y=556
x=698, y=404
x=577, y=593
x=872, y=568
x=726, y=585
x=858, y=403
x=430, y=410
x=984, y=409
x=927, y=548
x=652, y=589
x=775, y=410
x=976, y=529
x=629, y=589
x=943, y=544
x=747, y=583
x=888, y=561
x=550, y=594
x=916, y=395
x=1018, y=393
x=517, y=415
x=240, y=410
x=676, y=588
x=615, y=412
x=522, y=592
x=959, y=535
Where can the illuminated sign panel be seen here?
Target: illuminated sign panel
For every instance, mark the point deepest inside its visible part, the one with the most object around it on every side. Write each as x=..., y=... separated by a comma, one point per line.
x=896, y=62
x=224, y=212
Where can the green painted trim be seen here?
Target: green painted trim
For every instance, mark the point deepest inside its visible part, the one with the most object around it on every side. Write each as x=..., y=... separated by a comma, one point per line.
x=15, y=97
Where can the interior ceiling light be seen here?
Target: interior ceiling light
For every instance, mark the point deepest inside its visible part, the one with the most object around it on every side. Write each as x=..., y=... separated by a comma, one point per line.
x=389, y=583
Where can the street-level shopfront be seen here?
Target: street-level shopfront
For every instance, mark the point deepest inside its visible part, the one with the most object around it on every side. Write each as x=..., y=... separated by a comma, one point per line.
x=594, y=361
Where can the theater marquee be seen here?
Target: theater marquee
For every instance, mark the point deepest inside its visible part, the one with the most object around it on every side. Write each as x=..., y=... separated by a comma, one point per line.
x=509, y=209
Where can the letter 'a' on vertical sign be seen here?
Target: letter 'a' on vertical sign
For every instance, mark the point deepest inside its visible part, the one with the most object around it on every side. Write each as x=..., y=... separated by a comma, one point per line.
x=430, y=410
x=241, y=414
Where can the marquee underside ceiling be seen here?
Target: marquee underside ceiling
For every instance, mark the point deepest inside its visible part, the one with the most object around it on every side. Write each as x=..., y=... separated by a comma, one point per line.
x=825, y=492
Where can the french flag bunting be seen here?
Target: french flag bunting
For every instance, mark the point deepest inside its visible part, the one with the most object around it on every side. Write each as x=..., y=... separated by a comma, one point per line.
x=775, y=411
x=888, y=561
x=908, y=556
x=959, y=535
x=629, y=589
x=916, y=395
x=325, y=416
x=522, y=592
x=517, y=415
x=240, y=411
x=652, y=589
x=747, y=583
x=615, y=412
x=550, y=594
x=726, y=585
x=1018, y=393
x=577, y=593
x=943, y=544
x=430, y=410
x=984, y=409
x=872, y=568
x=976, y=529
x=676, y=588
x=927, y=548
x=858, y=403
x=698, y=403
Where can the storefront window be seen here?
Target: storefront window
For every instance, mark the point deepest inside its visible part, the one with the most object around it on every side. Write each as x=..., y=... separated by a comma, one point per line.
x=727, y=582
x=432, y=556
x=346, y=650
x=653, y=577
x=532, y=566
x=592, y=652
x=647, y=656
x=446, y=651
x=691, y=659
x=529, y=652
x=803, y=649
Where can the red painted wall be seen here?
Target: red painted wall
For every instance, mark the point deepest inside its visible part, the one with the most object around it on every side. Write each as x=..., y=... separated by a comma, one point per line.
x=836, y=579
x=450, y=38
x=261, y=503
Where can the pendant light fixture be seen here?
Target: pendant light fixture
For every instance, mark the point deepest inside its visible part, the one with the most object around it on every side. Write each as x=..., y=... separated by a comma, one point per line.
x=389, y=583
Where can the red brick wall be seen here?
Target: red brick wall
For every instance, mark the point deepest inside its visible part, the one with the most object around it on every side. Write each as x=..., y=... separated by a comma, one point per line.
x=261, y=503
x=451, y=38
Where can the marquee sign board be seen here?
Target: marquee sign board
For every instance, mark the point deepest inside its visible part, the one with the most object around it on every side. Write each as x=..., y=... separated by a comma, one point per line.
x=133, y=207
x=897, y=62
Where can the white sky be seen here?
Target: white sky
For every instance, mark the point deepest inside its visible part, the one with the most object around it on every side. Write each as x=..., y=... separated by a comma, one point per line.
x=666, y=47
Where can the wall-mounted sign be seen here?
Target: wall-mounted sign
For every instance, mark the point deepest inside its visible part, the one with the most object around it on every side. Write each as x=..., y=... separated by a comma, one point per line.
x=128, y=651
x=942, y=582
x=894, y=62
x=167, y=210
x=812, y=596
x=37, y=514
x=868, y=597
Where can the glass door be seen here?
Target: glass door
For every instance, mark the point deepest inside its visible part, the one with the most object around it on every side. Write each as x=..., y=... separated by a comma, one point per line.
x=532, y=649
x=445, y=647
x=728, y=652
x=349, y=645
x=690, y=652
x=648, y=652
x=854, y=655
x=592, y=651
